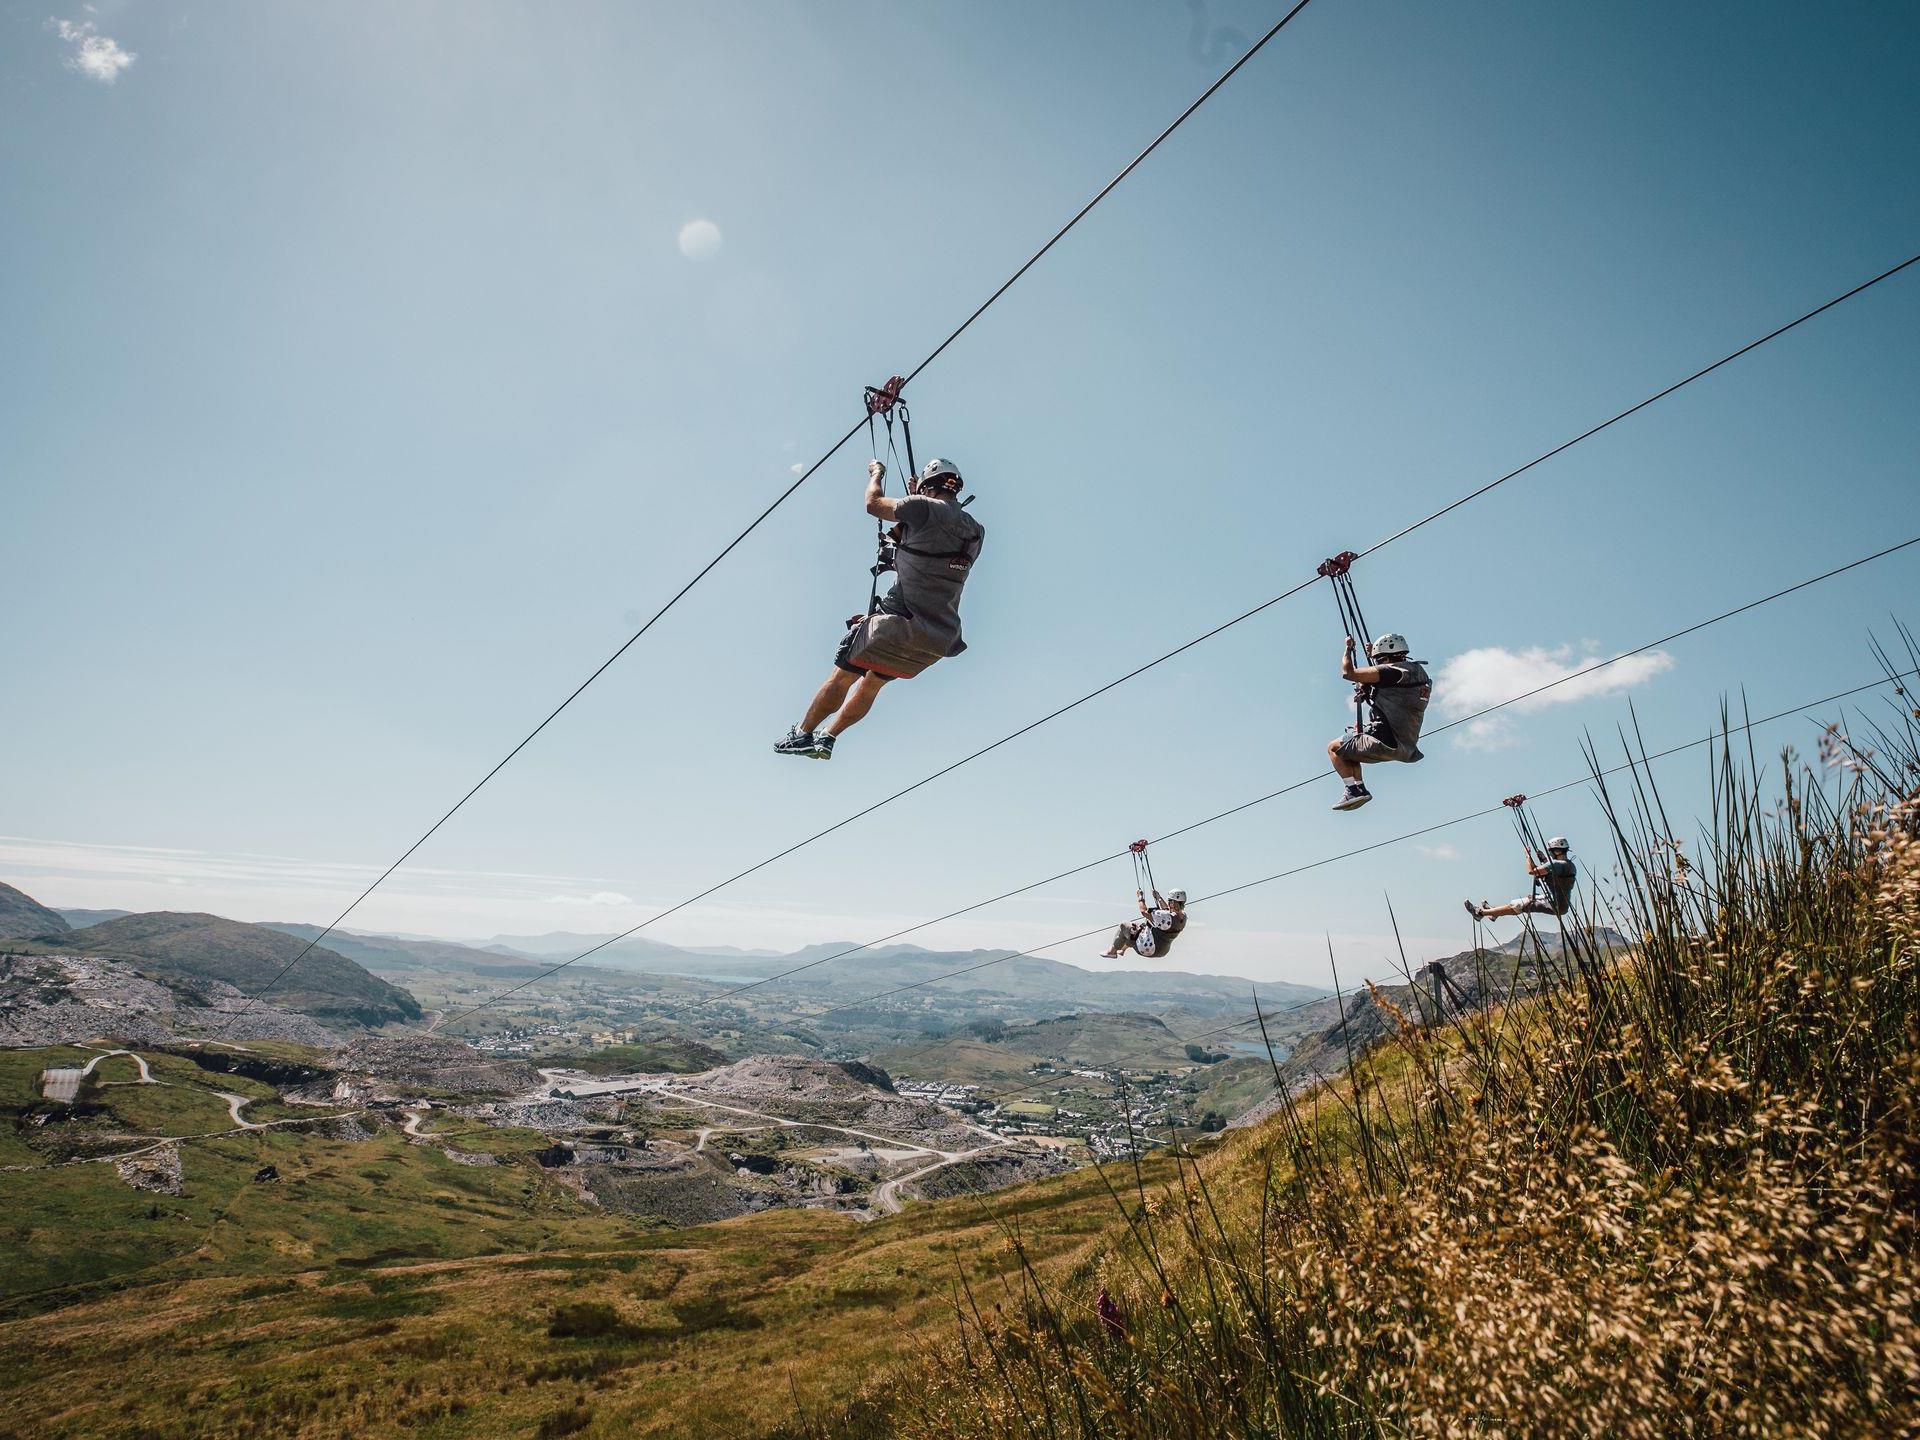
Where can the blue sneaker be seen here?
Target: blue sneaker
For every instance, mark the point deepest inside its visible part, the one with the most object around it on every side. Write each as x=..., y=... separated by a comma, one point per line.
x=822, y=746
x=798, y=742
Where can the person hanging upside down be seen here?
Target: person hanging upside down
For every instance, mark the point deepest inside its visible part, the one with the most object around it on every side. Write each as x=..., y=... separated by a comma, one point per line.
x=1157, y=928
x=915, y=623
x=1396, y=690
x=1553, y=881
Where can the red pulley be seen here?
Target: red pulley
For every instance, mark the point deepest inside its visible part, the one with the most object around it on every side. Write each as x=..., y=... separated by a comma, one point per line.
x=1138, y=847
x=1514, y=802
x=1338, y=565
x=881, y=401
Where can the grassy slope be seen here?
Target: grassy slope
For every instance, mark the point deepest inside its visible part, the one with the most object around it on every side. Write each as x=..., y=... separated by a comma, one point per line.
x=379, y=1289
x=1085, y=1040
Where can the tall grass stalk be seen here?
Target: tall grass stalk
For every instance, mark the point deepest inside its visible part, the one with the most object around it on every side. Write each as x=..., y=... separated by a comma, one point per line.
x=1670, y=1191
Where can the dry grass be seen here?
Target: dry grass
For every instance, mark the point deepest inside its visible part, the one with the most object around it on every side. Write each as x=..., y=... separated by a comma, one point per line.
x=1675, y=1195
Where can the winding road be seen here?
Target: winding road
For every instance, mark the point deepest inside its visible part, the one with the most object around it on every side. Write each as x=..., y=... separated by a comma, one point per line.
x=63, y=1086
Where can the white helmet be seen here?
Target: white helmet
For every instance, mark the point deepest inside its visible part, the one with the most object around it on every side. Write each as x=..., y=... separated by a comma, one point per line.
x=1391, y=643
x=943, y=471
x=1558, y=842
x=1176, y=897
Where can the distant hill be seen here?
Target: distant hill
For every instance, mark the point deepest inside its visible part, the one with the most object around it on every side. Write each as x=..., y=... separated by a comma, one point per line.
x=385, y=954
x=24, y=918
x=186, y=947
x=1000, y=982
x=80, y=919
x=993, y=1054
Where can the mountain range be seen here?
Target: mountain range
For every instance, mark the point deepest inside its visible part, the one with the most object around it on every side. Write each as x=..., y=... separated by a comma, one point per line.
x=186, y=948
x=358, y=975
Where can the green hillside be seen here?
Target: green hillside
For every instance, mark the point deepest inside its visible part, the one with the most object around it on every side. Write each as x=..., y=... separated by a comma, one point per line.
x=992, y=1053
x=24, y=918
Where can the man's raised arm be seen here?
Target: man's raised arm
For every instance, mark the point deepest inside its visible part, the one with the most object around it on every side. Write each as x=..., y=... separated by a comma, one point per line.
x=881, y=507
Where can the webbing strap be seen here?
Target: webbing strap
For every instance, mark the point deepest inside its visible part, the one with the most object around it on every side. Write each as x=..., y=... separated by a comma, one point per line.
x=1339, y=572
x=1142, y=869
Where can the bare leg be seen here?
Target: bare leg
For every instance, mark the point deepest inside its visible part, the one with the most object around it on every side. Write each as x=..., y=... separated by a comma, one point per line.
x=858, y=703
x=1346, y=769
x=827, y=699
x=1499, y=912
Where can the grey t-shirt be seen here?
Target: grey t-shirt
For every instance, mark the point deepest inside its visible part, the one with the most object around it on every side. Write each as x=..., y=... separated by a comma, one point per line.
x=1559, y=881
x=938, y=544
x=1400, y=702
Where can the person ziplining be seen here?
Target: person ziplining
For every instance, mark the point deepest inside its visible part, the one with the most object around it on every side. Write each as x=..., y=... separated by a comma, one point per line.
x=1393, y=688
x=1551, y=866
x=1160, y=923
x=930, y=551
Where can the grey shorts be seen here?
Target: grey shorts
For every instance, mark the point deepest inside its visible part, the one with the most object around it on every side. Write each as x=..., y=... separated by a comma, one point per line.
x=1370, y=750
x=1535, y=905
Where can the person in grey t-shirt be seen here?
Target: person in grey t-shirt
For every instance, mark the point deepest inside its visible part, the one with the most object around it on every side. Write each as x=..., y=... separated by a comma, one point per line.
x=1553, y=882
x=1397, y=690
x=917, y=622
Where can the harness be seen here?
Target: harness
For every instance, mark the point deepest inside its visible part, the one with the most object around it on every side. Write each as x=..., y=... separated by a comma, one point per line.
x=1144, y=883
x=1338, y=571
x=1142, y=869
x=1536, y=847
x=882, y=403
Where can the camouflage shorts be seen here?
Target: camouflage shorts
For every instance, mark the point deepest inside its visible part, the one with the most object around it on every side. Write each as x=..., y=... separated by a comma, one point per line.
x=1366, y=749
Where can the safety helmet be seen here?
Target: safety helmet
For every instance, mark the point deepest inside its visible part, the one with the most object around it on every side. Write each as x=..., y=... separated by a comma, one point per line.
x=1391, y=643
x=939, y=472
x=1558, y=842
x=1176, y=897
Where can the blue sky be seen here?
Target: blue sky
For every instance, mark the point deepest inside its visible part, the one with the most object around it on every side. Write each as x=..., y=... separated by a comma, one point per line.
x=357, y=399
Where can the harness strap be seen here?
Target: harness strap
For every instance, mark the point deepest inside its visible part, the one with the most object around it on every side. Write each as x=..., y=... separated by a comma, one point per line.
x=1338, y=571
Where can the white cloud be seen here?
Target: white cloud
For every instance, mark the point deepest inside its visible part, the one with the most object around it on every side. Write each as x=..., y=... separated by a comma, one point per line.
x=96, y=56
x=699, y=239
x=798, y=469
x=1493, y=675
x=1442, y=851
x=609, y=898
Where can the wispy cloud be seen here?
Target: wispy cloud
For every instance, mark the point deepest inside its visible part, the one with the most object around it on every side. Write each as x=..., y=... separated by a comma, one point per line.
x=1494, y=675
x=96, y=56
x=610, y=899
x=1442, y=851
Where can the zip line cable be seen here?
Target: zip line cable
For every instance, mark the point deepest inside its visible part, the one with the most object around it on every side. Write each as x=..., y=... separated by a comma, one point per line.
x=1376, y=845
x=1260, y=1016
x=806, y=475
x=1172, y=834
x=1322, y=774
x=1178, y=650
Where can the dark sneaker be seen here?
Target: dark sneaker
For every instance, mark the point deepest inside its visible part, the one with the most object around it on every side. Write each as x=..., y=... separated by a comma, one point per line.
x=798, y=742
x=1472, y=909
x=1356, y=796
x=822, y=746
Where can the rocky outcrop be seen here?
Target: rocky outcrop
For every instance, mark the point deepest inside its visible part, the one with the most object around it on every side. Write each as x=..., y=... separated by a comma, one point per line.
x=56, y=999
x=400, y=1066
x=216, y=954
